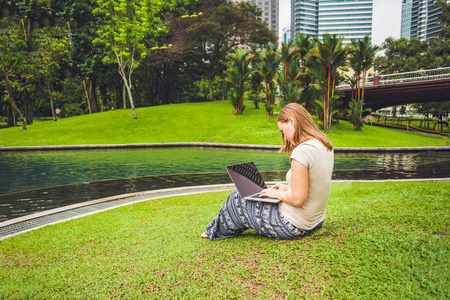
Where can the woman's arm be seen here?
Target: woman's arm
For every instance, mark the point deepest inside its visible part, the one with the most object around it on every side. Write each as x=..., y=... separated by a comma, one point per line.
x=298, y=193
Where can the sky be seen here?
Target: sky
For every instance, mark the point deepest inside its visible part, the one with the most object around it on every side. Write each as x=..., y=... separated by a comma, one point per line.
x=386, y=20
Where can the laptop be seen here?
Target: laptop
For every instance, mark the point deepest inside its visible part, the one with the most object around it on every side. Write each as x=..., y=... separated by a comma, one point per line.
x=249, y=182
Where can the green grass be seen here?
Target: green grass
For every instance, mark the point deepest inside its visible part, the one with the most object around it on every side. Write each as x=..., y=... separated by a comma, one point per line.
x=194, y=122
x=380, y=240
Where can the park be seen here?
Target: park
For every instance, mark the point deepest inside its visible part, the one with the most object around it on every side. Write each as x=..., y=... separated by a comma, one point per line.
x=110, y=169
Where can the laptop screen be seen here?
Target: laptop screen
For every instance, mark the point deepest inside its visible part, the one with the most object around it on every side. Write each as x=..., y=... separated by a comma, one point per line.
x=246, y=178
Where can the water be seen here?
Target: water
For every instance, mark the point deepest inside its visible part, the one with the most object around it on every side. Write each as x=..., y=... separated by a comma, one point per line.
x=36, y=181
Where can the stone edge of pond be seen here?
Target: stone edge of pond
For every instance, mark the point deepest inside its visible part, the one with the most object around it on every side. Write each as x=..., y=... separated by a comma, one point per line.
x=26, y=223
x=211, y=145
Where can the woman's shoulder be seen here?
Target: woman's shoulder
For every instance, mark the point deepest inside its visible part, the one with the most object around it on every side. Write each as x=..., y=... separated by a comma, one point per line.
x=311, y=146
x=310, y=143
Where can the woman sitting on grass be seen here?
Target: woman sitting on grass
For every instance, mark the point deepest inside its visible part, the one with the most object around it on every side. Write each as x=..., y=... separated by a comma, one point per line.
x=303, y=199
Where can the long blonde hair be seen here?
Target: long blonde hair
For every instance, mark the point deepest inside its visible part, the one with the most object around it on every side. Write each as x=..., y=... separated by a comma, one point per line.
x=304, y=127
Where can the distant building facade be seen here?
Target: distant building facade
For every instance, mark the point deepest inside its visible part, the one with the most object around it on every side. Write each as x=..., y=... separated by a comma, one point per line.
x=419, y=19
x=351, y=19
x=286, y=38
x=270, y=12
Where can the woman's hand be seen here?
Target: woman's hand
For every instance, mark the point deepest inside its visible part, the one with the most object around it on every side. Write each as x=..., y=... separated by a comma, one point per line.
x=271, y=193
x=280, y=186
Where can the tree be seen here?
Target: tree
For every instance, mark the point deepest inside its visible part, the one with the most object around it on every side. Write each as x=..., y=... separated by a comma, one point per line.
x=221, y=28
x=354, y=114
x=361, y=59
x=288, y=75
x=401, y=55
x=303, y=44
x=269, y=63
x=52, y=51
x=12, y=61
x=332, y=54
x=238, y=72
x=255, y=81
x=127, y=27
x=444, y=20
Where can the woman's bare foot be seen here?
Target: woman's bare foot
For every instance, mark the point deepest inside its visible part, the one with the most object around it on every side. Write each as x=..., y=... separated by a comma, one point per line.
x=204, y=236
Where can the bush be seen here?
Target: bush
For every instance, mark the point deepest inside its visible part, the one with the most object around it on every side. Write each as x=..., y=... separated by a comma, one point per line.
x=71, y=110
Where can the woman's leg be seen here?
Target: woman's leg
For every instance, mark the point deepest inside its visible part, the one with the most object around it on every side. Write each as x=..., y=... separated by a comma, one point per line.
x=230, y=220
x=238, y=215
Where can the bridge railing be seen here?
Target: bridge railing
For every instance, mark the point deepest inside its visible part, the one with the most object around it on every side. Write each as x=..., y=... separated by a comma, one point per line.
x=404, y=77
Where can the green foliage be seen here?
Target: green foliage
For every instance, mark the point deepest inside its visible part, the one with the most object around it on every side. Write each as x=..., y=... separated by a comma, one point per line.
x=203, y=89
x=255, y=83
x=269, y=61
x=71, y=110
x=238, y=73
x=288, y=75
x=444, y=20
x=355, y=113
x=329, y=55
x=403, y=55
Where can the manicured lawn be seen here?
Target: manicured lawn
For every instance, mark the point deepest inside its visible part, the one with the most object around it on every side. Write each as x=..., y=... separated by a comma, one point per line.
x=380, y=240
x=194, y=122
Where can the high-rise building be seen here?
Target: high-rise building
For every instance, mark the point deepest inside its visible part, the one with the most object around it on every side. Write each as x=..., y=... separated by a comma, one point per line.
x=351, y=19
x=270, y=11
x=286, y=35
x=419, y=19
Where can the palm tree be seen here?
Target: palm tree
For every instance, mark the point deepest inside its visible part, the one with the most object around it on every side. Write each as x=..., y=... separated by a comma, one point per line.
x=302, y=44
x=332, y=54
x=289, y=73
x=354, y=114
x=361, y=59
x=255, y=83
x=256, y=79
x=238, y=72
x=351, y=80
x=267, y=67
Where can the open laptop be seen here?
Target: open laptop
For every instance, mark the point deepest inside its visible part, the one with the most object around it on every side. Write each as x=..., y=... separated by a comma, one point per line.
x=248, y=182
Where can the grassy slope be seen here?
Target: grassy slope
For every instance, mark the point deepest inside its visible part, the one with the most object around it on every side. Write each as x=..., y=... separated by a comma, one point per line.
x=193, y=122
x=380, y=240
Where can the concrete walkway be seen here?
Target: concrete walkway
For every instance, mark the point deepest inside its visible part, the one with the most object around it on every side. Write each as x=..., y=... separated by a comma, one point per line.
x=34, y=221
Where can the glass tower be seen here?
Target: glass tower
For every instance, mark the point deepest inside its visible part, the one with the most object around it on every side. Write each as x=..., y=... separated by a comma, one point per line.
x=419, y=19
x=351, y=19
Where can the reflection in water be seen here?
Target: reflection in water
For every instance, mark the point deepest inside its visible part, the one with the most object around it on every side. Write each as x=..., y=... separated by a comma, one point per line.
x=37, y=181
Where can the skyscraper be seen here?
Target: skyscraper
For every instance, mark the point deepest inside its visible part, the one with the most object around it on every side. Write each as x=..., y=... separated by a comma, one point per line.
x=286, y=38
x=419, y=19
x=351, y=19
x=270, y=11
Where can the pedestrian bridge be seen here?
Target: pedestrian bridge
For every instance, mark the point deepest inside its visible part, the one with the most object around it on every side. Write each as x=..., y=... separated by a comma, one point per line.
x=403, y=88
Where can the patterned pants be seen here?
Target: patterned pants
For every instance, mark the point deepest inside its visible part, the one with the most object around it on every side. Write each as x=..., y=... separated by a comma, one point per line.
x=238, y=215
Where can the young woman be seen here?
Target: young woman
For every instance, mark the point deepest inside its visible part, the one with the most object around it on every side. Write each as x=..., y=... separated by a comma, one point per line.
x=303, y=200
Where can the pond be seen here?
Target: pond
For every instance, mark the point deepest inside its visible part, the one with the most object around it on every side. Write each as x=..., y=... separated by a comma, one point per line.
x=36, y=181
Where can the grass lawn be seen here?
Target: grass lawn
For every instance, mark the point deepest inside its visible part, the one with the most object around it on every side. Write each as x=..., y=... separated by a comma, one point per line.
x=380, y=240
x=194, y=122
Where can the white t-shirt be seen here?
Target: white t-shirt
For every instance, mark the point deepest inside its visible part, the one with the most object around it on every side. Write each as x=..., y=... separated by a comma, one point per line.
x=319, y=161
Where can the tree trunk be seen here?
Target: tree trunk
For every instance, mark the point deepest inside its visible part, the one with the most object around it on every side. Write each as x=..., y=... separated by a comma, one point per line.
x=124, y=96
x=130, y=97
x=87, y=96
x=92, y=92
x=211, y=93
x=26, y=111
x=362, y=93
x=51, y=100
x=11, y=99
